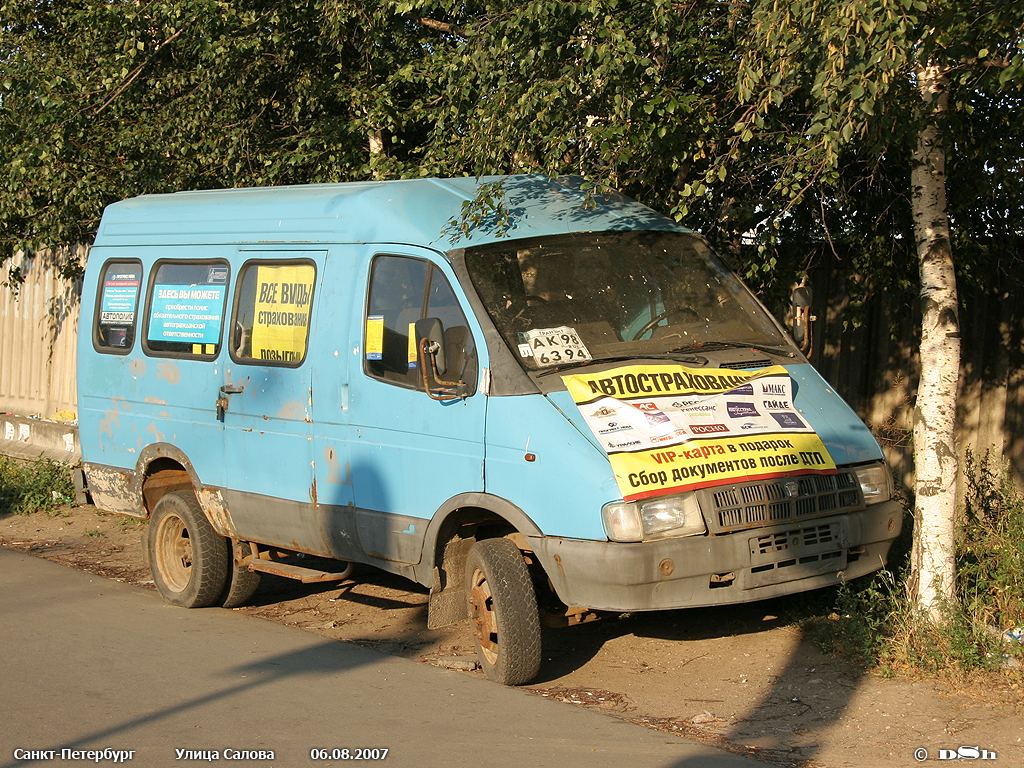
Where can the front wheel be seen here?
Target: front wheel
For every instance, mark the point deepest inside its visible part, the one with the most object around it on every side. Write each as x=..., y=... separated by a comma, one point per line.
x=503, y=607
x=188, y=559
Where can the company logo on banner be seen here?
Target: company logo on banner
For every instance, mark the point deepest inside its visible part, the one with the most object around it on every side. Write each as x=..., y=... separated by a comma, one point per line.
x=670, y=428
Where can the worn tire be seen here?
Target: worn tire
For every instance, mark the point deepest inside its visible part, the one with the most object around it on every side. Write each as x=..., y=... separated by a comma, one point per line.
x=188, y=559
x=241, y=582
x=503, y=607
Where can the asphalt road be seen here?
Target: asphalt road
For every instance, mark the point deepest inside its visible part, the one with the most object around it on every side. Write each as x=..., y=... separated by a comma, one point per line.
x=91, y=664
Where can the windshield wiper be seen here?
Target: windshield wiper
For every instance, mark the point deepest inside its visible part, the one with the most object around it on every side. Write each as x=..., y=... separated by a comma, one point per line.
x=713, y=345
x=674, y=356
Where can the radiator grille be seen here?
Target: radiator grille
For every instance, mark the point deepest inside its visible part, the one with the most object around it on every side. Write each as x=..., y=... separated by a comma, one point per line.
x=760, y=504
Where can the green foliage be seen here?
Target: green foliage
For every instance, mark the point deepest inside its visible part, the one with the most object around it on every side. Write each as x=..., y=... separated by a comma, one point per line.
x=105, y=100
x=781, y=130
x=990, y=560
x=39, y=486
x=877, y=622
x=832, y=106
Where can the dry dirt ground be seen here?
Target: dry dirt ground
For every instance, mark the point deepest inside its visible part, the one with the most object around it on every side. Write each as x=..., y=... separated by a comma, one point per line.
x=743, y=678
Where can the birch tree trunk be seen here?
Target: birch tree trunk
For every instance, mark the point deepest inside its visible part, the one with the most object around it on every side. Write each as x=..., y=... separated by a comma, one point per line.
x=935, y=453
x=376, y=146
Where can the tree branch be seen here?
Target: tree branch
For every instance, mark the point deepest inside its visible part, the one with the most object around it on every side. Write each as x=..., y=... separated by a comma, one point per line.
x=134, y=74
x=440, y=26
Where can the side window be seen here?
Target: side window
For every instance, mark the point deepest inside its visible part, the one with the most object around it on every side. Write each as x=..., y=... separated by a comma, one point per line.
x=186, y=309
x=117, y=306
x=402, y=291
x=273, y=304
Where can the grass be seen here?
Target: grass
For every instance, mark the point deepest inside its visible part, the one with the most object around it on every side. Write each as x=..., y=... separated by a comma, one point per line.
x=878, y=623
x=38, y=486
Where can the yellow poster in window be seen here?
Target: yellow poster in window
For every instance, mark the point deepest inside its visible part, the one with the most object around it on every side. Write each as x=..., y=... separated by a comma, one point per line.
x=375, y=337
x=284, y=296
x=413, y=354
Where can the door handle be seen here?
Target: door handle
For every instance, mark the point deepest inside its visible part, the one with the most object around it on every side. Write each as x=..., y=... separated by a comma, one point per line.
x=222, y=400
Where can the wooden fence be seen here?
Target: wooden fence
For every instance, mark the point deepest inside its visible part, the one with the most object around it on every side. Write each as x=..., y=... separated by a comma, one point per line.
x=38, y=333
x=875, y=368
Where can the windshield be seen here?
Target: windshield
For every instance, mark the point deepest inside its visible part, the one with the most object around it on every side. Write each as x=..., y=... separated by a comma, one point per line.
x=587, y=297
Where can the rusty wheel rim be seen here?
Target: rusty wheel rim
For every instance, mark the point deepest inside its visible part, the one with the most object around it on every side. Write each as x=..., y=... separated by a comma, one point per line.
x=484, y=619
x=174, y=552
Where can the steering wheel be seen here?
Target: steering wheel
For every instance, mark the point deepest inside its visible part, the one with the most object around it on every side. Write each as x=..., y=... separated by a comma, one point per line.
x=670, y=312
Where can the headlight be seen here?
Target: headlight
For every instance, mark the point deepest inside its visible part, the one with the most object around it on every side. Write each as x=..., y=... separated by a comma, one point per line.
x=656, y=519
x=874, y=483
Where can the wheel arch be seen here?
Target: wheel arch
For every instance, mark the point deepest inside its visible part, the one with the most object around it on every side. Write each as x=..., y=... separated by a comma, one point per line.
x=458, y=524
x=468, y=509
x=163, y=467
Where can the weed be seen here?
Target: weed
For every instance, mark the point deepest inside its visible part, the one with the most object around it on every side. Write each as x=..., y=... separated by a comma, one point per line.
x=127, y=522
x=42, y=485
x=991, y=545
x=878, y=623
x=94, y=532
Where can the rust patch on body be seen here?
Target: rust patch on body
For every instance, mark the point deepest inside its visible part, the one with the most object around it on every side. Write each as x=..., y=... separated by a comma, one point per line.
x=334, y=473
x=212, y=502
x=137, y=366
x=113, y=490
x=169, y=372
x=312, y=492
x=154, y=400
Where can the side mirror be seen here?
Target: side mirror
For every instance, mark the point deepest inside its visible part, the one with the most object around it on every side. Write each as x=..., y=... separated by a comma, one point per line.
x=430, y=348
x=800, y=317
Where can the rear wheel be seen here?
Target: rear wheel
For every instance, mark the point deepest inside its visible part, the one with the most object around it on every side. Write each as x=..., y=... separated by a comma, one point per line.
x=188, y=559
x=241, y=582
x=503, y=607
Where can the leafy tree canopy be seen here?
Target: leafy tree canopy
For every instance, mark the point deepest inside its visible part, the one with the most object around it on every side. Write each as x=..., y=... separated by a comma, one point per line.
x=785, y=126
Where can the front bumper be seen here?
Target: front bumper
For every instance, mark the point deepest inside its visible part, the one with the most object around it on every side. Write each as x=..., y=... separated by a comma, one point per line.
x=738, y=567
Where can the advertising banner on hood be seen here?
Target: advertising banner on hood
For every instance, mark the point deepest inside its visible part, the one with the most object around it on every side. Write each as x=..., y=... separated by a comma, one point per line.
x=670, y=428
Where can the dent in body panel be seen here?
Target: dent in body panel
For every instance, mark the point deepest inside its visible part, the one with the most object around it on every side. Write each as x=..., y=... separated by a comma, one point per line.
x=389, y=536
x=326, y=530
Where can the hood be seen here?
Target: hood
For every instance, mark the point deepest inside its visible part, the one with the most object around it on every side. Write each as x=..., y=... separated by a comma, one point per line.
x=843, y=433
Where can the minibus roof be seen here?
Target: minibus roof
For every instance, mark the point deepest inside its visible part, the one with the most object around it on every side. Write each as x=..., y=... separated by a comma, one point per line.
x=422, y=212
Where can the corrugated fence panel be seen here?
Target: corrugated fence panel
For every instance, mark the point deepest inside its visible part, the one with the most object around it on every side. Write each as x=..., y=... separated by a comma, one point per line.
x=38, y=332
